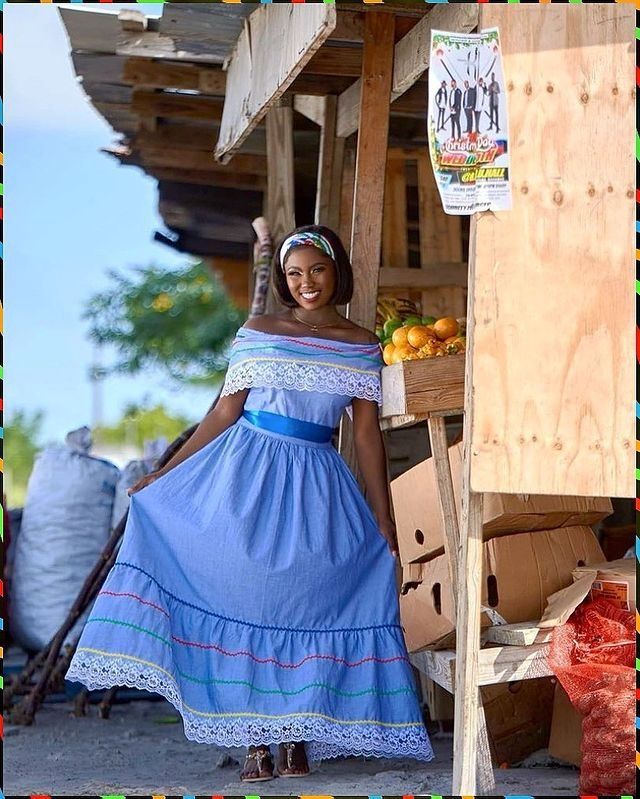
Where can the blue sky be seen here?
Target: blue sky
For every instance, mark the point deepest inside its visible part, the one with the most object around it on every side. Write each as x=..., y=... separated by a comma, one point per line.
x=71, y=213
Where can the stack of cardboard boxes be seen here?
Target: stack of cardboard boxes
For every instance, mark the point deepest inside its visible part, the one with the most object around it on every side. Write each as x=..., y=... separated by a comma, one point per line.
x=532, y=546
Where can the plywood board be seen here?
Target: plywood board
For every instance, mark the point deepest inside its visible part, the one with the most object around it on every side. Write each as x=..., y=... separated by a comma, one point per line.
x=554, y=288
x=274, y=46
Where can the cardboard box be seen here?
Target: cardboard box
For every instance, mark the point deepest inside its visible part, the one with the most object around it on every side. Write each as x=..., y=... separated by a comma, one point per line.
x=565, y=739
x=518, y=717
x=519, y=573
x=612, y=580
x=418, y=516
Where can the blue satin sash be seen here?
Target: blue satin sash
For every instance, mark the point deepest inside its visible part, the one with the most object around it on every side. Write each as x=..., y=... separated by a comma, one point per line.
x=286, y=426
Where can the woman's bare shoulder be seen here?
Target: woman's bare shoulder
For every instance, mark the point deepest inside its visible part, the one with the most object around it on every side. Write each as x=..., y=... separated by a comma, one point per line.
x=265, y=323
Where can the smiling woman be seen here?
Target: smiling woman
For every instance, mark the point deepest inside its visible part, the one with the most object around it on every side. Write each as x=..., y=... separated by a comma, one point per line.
x=265, y=621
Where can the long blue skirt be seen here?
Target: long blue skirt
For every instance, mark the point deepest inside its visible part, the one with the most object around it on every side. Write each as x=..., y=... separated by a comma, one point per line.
x=254, y=591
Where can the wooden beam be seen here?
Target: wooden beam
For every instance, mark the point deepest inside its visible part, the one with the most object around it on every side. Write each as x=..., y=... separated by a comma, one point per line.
x=168, y=104
x=223, y=177
x=349, y=26
x=446, y=497
x=280, y=206
x=345, y=61
x=395, y=252
x=143, y=72
x=467, y=693
x=151, y=43
x=199, y=159
x=94, y=33
x=413, y=50
x=496, y=665
x=255, y=79
x=411, y=58
x=311, y=106
x=98, y=67
x=330, y=158
x=371, y=155
x=368, y=198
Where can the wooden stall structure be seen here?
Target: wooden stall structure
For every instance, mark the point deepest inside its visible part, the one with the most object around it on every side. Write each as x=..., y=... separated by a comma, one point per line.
x=204, y=79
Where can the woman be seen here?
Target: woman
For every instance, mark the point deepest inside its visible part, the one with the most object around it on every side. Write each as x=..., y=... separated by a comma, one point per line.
x=255, y=587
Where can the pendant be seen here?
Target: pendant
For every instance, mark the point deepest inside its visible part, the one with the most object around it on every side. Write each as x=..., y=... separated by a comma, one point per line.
x=314, y=329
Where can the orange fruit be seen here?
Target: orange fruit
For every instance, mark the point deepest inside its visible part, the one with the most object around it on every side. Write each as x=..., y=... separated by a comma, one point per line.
x=399, y=336
x=419, y=335
x=429, y=349
x=387, y=354
x=446, y=327
x=405, y=353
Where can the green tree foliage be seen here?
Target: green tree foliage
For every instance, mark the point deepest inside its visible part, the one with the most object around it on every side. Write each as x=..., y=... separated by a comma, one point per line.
x=141, y=423
x=22, y=444
x=181, y=321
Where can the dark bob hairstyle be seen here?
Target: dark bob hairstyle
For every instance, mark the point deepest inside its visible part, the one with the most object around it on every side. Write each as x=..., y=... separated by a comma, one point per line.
x=344, y=273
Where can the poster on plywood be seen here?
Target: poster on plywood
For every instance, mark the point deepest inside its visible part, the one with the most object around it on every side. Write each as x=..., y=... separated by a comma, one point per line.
x=467, y=122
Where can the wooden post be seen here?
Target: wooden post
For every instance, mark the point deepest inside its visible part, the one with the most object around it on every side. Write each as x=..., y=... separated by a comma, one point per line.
x=368, y=199
x=467, y=694
x=280, y=196
x=330, y=159
x=371, y=157
x=449, y=515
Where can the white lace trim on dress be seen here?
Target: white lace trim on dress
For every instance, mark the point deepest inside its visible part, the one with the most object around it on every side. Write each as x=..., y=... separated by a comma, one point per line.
x=325, y=738
x=302, y=377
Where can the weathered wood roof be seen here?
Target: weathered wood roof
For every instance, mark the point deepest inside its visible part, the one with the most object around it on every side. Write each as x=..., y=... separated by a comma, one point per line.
x=160, y=84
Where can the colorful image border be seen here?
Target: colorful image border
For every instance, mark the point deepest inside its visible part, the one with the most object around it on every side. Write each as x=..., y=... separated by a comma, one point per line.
x=637, y=145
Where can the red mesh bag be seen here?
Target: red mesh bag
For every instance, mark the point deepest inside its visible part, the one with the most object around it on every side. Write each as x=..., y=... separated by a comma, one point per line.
x=593, y=657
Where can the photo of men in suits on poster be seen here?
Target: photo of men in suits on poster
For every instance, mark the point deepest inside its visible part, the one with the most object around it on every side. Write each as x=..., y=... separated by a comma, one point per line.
x=467, y=122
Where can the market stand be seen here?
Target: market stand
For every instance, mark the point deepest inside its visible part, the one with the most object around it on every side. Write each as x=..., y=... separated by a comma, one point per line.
x=550, y=185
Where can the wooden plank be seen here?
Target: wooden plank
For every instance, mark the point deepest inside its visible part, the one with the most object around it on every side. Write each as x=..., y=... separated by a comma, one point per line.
x=523, y=634
x=561, y=423
x=92, y=32
x=223, y=177
x=255, y=79
x=203, y=137
x=467, y=694
x=345, y=61
x=401, y=420
x=98, y=67
x=330, y=156
x=368, y=196
x=428, y=386
x=368, y=203
x=349, y=26
x=395, y=252
x=446, y=498
x=110, y=93
x=172, y=104
x=347, y=183
x=435, y=275
x=497, y=665
x=311, y=106
x=196, y=159
x=173, y=75
x=280, y=202
x=411, y=58
x=413, y=50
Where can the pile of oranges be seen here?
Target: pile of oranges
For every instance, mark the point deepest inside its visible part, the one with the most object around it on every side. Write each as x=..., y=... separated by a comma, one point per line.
x=411, y=342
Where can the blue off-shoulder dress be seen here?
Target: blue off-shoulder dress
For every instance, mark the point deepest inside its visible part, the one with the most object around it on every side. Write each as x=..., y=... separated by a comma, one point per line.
x=253, y=589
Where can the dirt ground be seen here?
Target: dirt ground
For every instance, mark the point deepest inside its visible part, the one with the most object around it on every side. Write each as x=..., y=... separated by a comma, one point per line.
x=137, y=752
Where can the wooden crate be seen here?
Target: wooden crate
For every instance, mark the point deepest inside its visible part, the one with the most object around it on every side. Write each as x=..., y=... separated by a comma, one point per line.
x=418, y=388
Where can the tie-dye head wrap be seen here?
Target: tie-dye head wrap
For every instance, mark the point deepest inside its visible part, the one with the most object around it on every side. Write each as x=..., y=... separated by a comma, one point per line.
x=305, y=239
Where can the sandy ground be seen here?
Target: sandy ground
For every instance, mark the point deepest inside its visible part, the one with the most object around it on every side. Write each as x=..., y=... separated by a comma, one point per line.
x=137, y=752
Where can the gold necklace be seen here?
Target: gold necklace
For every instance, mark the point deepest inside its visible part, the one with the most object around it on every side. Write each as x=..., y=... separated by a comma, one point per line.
x=315, y=328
